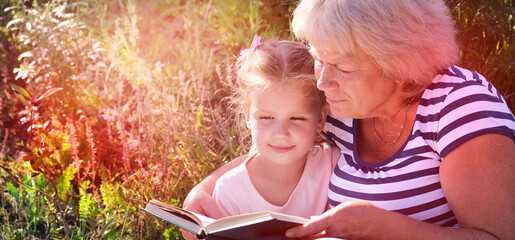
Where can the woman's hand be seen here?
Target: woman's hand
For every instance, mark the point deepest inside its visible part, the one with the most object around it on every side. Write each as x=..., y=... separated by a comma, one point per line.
x=350, y=220
x=363, y=220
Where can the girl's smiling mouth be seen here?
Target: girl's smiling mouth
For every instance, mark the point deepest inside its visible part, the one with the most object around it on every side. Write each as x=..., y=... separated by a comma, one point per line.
x=281, y=149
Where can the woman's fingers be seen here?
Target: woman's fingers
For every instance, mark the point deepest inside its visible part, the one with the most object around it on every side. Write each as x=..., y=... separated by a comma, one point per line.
x=312, y=229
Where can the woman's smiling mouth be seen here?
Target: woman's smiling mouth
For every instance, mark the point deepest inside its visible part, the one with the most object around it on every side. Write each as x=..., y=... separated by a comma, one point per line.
x=333, y=101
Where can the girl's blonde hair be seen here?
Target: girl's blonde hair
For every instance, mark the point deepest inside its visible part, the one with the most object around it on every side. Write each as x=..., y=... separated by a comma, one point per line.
x=282, y=62
x=409, y=40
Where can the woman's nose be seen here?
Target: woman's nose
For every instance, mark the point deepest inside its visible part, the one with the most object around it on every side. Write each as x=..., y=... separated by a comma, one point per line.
x=324, y=79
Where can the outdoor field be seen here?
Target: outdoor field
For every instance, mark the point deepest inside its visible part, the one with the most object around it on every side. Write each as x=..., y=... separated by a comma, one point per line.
x=106, y=104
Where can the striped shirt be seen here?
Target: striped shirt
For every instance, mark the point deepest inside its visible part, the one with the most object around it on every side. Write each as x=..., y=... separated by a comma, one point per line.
x=457, y=106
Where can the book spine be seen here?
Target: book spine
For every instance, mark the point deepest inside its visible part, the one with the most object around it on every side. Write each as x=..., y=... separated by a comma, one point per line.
x=202, y=235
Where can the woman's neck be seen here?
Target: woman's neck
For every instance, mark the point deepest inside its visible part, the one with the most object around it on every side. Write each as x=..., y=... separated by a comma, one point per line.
x=392, y=135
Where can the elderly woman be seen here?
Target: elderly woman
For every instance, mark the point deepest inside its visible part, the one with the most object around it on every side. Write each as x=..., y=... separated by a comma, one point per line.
x=427, y=148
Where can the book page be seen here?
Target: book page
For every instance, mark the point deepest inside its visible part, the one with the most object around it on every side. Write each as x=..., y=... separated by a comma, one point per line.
x=250, y=219
x=174, y=217
x=205, y=220
x=184, y=219
x=198, y=218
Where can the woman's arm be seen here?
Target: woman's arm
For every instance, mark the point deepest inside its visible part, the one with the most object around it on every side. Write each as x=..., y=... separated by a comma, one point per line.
x=199, y=199
x=478, y=179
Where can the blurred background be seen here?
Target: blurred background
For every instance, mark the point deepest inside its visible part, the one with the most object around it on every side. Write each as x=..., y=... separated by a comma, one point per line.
x=106, y=104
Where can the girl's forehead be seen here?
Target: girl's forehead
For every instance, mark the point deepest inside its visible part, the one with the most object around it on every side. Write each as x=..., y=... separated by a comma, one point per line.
x=283, y=86
x=273, y=100
x=284, y=90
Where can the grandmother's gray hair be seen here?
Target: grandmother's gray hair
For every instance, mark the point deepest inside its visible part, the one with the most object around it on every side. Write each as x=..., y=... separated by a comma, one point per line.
x=411, y=41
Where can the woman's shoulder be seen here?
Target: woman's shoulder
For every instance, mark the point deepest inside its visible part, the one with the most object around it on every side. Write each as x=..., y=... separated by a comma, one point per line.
x=455, y=87
x=449, y=81
x=459, y=105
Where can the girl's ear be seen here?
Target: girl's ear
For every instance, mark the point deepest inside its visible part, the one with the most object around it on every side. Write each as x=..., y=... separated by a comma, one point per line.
x=323, y=117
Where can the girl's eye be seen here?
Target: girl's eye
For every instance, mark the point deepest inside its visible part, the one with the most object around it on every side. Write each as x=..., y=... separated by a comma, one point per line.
x=265, y=117
x=298, y=118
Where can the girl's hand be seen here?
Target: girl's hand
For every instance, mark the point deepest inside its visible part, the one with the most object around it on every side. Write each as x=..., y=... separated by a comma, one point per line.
x=201, y=202
x=187, y=235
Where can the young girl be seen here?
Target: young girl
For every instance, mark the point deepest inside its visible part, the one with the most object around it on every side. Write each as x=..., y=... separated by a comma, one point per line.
x=285, y=171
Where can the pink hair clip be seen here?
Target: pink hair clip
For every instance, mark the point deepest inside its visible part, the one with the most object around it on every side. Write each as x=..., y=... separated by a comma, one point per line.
x=245, y=52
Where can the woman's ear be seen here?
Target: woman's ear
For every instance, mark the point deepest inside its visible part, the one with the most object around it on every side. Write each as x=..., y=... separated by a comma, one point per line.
x=323, y=117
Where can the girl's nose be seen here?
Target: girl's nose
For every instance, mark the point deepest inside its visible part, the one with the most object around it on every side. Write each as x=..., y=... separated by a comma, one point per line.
x=281, y=128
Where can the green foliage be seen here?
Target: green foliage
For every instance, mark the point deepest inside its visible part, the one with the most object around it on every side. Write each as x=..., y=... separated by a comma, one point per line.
x=107, y=104
x=26, y=204
x=88, y=207
x=487, y=38
x=172, y=232
x=64, y=183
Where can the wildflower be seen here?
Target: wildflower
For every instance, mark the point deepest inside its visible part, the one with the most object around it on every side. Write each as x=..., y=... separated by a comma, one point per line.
x=109, y=114
x=133, y=143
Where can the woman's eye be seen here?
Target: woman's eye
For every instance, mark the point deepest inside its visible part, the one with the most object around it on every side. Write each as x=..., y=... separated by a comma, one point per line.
x=298, y=118
x=343, y=70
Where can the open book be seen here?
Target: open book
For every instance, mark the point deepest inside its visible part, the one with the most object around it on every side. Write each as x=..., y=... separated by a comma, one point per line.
x=259, y=225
